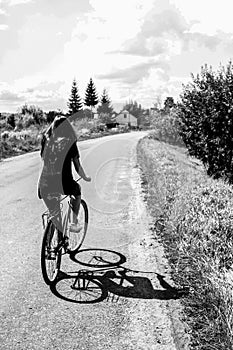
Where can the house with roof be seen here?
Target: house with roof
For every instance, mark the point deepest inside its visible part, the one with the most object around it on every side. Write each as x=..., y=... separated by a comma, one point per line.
x=126, y=118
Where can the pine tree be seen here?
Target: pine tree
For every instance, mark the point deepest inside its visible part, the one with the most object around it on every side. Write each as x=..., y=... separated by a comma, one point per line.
x=105, y=106
x=91, y=98
x=74, y=102
x=105, y=98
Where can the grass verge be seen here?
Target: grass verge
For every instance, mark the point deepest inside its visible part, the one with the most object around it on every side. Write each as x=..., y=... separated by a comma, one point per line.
x=193, y=218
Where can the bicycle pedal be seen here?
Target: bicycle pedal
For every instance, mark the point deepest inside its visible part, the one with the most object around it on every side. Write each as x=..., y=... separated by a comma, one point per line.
x=51, y=256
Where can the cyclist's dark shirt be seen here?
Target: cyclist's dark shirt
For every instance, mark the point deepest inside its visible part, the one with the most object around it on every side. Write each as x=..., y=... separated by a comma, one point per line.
x=67, y=177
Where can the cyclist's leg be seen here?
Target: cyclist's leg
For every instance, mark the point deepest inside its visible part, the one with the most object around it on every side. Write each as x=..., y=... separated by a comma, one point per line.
x=75, y=201
x=53, y=205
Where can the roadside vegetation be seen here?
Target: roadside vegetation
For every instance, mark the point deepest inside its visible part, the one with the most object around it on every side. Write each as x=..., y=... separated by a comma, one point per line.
x=25, y=139
x=193, y=218
x=186, y=166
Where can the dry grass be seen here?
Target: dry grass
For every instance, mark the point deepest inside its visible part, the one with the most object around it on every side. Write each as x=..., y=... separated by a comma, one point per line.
x=193, y=216
x=18, y=142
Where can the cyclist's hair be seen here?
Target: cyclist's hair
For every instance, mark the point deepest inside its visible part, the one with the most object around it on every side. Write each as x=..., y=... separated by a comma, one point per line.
x=60, y=127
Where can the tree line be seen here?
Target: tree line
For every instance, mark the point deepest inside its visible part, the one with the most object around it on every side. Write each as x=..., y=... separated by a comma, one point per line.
x=91, y=99
x=33, y=115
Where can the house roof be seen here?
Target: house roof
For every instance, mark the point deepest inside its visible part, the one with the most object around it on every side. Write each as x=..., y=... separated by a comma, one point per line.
x=124, y=111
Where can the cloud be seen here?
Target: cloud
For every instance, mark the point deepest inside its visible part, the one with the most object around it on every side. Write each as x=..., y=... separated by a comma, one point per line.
x=18, y=2
x=38, y=45
x=163, y=25
x=167, y=21
x=9, y=96
x=166, y=31
x=141, y=46
x=49, y=85
x=3, y=27
x=44, y=93
x=62, y=9
x=132, y=74
x=211, y=42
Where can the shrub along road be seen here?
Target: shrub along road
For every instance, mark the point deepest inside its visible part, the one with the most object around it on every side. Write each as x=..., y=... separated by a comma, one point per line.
x=141, y=313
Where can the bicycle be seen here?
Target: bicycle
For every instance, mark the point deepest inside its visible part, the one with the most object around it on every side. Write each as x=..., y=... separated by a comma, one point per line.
x=56, y=243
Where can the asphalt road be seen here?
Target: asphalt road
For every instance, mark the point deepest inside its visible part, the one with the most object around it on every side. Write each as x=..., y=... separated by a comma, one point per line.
x=138, y=315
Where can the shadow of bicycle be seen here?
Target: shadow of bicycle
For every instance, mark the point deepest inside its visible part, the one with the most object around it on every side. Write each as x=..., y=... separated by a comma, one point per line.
x=108, y=279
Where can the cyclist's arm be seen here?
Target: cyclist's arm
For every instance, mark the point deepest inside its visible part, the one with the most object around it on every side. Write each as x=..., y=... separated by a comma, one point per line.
x=78, y=167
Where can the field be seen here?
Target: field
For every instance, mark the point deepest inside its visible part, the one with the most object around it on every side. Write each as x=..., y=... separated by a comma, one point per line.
x=193, y=218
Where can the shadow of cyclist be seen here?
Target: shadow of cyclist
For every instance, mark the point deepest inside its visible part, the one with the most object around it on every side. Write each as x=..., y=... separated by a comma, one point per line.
x=110, y=283
x=138, y=286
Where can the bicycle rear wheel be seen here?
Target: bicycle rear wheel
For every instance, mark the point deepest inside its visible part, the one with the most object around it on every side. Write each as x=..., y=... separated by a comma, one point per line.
x=98, y=258
x=50, y=253
x=75, y=240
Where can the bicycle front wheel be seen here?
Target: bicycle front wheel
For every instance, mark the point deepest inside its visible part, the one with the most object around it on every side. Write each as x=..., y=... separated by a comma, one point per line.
x=50, y=253
x=80, y=289
x=75, y=239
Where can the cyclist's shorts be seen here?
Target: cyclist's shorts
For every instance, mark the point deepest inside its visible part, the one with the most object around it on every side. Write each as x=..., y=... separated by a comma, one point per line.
x=48, y=185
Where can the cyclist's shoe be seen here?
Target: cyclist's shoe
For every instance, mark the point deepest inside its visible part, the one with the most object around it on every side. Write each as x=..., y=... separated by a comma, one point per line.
x=75, y=228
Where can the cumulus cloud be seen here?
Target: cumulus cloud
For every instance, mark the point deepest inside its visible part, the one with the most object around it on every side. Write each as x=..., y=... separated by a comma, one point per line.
x=132, y=74
x=3, y=27
x=141, y=46
x=9, y=96
x=46, y=85
x=45, y=94
x=165, y=29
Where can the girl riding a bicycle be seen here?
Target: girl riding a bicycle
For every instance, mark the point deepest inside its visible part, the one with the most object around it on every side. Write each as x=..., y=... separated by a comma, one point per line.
x=58, y=151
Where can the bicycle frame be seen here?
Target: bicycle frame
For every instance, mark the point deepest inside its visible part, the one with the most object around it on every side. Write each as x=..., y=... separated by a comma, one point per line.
x=46, y=216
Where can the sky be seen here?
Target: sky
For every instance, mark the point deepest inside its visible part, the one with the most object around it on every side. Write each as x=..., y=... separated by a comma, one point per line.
x=143, y=50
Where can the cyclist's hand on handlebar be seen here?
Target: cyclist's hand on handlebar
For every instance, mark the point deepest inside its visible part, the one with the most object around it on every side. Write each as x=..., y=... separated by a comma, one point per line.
x=87, y=178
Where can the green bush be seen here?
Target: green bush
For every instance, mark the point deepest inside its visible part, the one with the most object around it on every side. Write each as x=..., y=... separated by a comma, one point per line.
x=36, y=115
x=167, y=128
x=206, y=115
x=11, y=120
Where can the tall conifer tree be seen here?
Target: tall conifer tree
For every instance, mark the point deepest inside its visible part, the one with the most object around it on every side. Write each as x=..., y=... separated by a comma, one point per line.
x=105, y=106
x=91, y=97
x=74, y=102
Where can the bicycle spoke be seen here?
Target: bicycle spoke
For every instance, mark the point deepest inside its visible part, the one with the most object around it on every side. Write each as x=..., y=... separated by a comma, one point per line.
x=75, y=239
